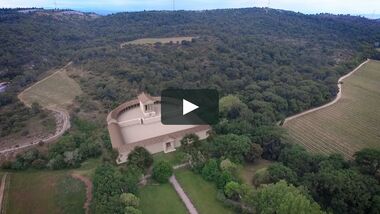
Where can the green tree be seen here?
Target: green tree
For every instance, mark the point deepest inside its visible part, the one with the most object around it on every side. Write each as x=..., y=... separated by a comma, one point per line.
x=141, y=158
x=162, y=171
x=108, y=186
x=131, y=177
x=296, y=158
x=223, y=178
x=210, y=171
x=231, y=190
x=368, y=160
x=269, y=138
x=189, y=141
x=231, y=107
x=279, y=172
x=343, y=191
x=231, y=146
x=281, y=198
x=254, y=153
x=35, y=108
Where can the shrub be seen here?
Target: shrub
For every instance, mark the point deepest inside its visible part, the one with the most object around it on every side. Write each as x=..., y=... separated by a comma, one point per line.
x=279, y=172
x=39, y=164
x=261, y=177
x=141, y=158
x=232, y=190
x=197, y=161
x=56, y=163
x=132, y=210
x=210, y=171
x=87, y=150
x=223, y=179
x=162, y=171
x=228, y=166
x=129, y=199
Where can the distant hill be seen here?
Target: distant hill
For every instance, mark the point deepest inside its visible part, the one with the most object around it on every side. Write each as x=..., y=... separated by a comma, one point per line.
x=279, y=62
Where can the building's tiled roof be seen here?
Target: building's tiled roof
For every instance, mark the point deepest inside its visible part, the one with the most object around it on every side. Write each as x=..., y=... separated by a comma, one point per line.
x=145, y=98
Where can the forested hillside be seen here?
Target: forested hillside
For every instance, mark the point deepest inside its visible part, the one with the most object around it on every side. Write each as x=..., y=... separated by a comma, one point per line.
x=277, y=62
x=265, y=63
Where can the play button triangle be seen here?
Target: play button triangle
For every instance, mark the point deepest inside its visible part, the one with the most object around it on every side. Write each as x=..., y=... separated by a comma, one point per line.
x=188, y=107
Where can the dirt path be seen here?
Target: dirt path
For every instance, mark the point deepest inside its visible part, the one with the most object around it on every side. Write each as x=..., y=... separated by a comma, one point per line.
x=62, y=118
x=338, y=96
x=186, y=200
x=2, y=191
x=89, y=188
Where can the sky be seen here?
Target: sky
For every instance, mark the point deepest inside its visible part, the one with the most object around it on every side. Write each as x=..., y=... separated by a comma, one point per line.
x=355, y=7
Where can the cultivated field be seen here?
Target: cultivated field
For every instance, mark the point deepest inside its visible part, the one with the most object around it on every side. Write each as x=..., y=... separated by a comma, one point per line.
x=57, y=89
x=151, y=41
x=350, y=124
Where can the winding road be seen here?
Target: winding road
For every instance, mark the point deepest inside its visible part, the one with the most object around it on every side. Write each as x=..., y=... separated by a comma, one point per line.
x=62, y=118
x=63, y=124
x=338, y=96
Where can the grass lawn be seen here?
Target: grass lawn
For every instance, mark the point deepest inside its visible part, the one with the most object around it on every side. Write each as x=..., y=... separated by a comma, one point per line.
x=70, y=195
x=174, y=158
x=160, y=199
x=247, y=172
x=44, y=192
x=348, y=125
x=202, y=193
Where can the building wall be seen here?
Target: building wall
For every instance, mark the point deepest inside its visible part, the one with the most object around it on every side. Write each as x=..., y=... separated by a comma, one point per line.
x=159, y=146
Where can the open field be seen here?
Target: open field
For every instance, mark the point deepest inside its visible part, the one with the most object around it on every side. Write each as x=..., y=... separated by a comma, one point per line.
x=348, y=125
x=160, y=199
x=57, y=89
x=201, y=193
x=44, y=192
x=151, y=41
x=247, y=172
x=47, y=191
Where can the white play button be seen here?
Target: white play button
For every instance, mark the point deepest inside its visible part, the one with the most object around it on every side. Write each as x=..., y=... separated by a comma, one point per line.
x=188, y=107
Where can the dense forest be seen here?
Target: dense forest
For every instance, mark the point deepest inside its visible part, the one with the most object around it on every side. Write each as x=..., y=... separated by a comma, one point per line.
x=266, y=65
x=277, y=62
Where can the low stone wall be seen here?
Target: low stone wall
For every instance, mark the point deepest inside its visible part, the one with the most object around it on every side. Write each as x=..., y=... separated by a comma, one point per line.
x=132, y=122
x=152, y=120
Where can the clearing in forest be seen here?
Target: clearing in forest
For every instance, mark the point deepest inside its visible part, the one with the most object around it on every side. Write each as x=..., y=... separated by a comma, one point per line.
x=151, y=41
x=350, y=124
x=57, y=89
